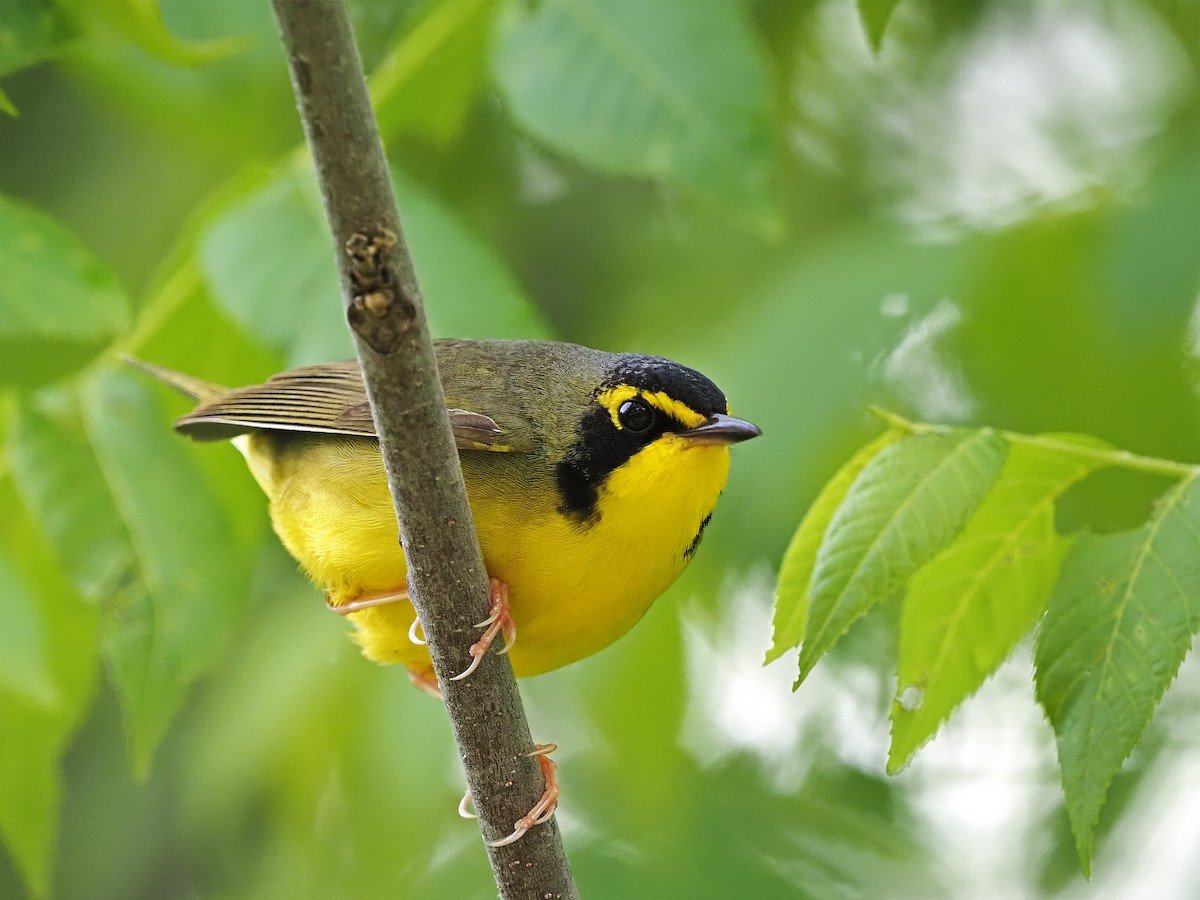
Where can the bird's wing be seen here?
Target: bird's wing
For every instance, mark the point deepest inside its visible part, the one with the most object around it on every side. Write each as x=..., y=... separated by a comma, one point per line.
x=329, y=398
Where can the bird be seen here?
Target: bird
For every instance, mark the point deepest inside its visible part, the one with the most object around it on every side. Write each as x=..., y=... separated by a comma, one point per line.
x=591, y=477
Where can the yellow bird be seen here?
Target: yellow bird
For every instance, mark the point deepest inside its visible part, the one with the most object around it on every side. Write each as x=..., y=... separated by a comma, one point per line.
x=591, y=477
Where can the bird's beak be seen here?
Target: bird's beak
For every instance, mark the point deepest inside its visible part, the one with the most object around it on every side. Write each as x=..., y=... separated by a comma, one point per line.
x=721, y=429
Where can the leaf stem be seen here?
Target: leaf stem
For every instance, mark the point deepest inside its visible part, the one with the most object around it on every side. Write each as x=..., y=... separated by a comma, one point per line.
x=1109, y=456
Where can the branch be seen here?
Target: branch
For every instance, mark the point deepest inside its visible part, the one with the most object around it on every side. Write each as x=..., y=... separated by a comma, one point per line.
x=446, y=578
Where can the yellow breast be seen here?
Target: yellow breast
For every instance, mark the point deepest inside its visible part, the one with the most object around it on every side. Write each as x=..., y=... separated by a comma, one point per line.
x=574, y=587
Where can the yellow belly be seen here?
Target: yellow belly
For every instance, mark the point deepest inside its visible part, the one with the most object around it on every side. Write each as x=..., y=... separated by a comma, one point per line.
x=573, y=588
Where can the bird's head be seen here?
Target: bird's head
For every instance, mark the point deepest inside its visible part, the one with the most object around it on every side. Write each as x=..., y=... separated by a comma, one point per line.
x=649, y=419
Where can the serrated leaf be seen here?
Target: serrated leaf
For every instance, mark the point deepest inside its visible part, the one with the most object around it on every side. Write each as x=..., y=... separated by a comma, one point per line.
x=62, y=485
x=906, y=505
x=168, y=626
x=427, y=82
x=875, y=15
x=271, y=265
x=795, y=574
x=966, y=610
x=58, y=304
x=622, y=87
x=34, y=730
x=1120, y=621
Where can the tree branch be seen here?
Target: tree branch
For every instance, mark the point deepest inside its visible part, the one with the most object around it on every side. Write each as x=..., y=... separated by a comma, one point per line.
x=446, y=578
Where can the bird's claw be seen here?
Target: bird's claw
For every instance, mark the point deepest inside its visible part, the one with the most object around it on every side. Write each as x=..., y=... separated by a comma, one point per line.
x=545, y=807
x=462, y=807
x=498, y=622
x=412, y=633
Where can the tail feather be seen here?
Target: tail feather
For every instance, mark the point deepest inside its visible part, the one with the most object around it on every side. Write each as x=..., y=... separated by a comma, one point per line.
x=196, y=388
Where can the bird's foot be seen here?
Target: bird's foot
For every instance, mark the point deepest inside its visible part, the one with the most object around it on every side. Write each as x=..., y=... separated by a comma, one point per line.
x=425, y=681
x=499, y=621
x=545, y=807
x=366, y=601
x=413, y=636
x=464, y=807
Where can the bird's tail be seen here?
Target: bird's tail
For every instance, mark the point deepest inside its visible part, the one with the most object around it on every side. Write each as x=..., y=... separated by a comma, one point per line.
x=195, y=388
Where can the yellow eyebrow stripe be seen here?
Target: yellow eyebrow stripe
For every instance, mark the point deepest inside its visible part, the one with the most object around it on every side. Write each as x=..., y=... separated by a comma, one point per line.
x=612, y=399
x=674, y=408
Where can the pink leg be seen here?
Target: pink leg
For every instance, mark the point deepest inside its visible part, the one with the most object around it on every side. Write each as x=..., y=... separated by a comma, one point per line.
x=499, y=621
x=425, y=681
x=545, y=807
x=366, y=601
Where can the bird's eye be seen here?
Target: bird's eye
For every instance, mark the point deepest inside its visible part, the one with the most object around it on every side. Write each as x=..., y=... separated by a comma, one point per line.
x=636, y=416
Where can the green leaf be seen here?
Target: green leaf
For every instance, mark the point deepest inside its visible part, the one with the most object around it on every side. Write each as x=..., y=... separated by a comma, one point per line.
x=30, y=30
x=168, y=626
x=623, y=87
x=906, y=505
x=61, y=483
x=1119, y=623
x=468, y=290
x=23, y=668
x=140, y=22
x=58, y=304
x=187, y=331
x=795, y=575
x=35, y=727
x=427, y=82
x=875, y=15
x=270, y=262
x=6, y=105
x=966, y=610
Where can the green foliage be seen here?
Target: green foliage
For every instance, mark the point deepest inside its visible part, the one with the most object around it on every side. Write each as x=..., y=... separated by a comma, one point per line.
x=618, y=86
x=875, y=17
x=59, y=477
x=60, y=303
x=1123, y=615
x=961, y=521
x=788, y=197
x=428, y=82
x=53, y=640
x=135, y=528
x=22, y=658
x=30, y=30
x=141, y=23
x=247, y=282
x=796, y=574
x=907, y=503
x=455, y=268
x=966, y=609
x=169, y=625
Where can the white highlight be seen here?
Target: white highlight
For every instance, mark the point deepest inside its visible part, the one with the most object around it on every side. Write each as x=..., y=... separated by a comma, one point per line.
x=736, y=705
x=925, y=378
x=981, y=789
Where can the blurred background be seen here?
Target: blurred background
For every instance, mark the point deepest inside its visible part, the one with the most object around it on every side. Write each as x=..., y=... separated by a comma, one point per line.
x=976, y=212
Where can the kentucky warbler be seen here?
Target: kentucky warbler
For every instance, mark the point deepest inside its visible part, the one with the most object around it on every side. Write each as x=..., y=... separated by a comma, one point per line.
x=591, y=477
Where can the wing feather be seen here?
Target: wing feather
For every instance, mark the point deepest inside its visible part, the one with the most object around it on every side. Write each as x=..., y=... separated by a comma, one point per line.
x=324, y=399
